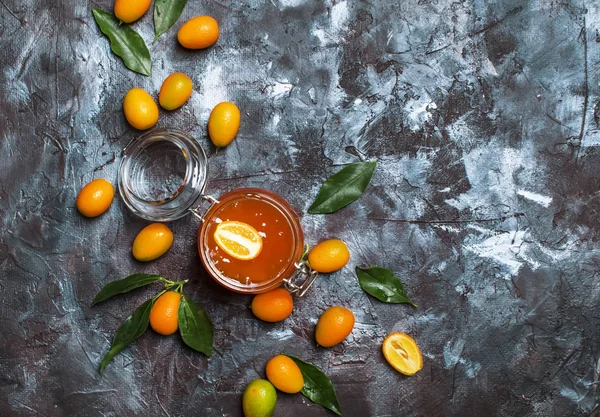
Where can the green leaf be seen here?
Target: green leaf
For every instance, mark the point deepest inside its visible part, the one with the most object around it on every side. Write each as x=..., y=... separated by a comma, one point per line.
x=114, y=351
x=132, y=328
x=343, y=187
x=166, y=13
x=124, y=42
x=317, y=387
x=125, y=285
x=382, y=284
x=195, y=327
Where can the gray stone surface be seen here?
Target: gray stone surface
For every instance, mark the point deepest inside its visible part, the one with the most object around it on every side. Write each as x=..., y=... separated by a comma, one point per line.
x=483, y=117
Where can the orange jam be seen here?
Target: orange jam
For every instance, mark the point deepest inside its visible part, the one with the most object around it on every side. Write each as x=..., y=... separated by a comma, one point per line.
x=275, y=222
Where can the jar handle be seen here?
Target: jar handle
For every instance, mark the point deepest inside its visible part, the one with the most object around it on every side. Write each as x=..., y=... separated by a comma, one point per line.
x=301, y=280
x=196, y=210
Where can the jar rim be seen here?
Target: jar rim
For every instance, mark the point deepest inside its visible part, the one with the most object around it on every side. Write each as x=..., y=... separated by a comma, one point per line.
x=297, y=236
x=186, y=194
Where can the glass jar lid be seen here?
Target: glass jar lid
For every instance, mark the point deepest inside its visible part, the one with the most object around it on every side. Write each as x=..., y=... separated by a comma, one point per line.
x=162, y=175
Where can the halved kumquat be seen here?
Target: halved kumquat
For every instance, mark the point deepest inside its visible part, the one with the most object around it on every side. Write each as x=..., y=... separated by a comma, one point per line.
x=403, y=353
x=238, y=239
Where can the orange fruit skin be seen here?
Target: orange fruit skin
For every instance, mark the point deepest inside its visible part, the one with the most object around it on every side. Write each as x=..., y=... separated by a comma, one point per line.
x=284, y=374
x=95, y=198
x=175, y=91
x=198, y=33
x=130, y=10
x=152, y=242
x=223, y=123
x=140, y=109
x=334, y=325
x=273, y=306
x=164, y=313
x=329, y=256
x=259, y=399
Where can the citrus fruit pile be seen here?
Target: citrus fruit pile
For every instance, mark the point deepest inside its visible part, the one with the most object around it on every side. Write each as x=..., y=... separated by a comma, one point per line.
x=169, y=311
x=260, y=396
x=142, y=113
x=334, y=325
x=152, y=241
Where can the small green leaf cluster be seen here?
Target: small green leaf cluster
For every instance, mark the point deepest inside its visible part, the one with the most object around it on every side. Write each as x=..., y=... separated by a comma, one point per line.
x=127, y=44
x=195, y=326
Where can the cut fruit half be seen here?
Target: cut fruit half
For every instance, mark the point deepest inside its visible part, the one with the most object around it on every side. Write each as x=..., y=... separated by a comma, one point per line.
x=238, y=239
x=402, y=352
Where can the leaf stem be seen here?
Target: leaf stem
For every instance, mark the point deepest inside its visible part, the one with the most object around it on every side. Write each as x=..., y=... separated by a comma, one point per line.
x=175, y=286
x=305, y=253
x=159, y=294
x=180, y=287
x=167, y=281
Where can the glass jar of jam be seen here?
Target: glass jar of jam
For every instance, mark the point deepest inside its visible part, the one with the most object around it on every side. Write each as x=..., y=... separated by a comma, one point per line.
x=162, y=177
x=277, y=224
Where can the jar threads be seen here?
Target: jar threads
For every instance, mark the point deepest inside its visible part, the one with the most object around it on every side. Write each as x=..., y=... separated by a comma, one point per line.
x=162, y=175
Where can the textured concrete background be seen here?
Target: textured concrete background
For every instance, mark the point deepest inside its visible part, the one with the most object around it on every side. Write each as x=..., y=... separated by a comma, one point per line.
x=483, y=117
